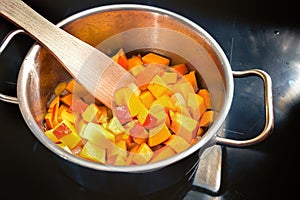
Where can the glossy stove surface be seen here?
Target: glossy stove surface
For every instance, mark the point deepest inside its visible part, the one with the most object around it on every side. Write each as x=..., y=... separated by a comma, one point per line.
x=253, y=34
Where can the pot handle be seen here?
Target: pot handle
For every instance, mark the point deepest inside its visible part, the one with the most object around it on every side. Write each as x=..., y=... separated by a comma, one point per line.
x=3, y=45
x=269, y=124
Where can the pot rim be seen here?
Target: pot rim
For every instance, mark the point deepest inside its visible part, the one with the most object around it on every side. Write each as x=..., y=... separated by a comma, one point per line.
x=211, y=132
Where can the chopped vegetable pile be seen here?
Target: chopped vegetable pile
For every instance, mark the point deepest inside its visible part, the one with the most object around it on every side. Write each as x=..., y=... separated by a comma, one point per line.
x=161, y=114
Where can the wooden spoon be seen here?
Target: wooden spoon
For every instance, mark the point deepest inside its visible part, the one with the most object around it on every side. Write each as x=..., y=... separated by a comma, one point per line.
x=94, y=70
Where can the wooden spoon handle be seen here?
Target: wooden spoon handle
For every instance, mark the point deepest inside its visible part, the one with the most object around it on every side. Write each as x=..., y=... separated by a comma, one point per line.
x=94, y=70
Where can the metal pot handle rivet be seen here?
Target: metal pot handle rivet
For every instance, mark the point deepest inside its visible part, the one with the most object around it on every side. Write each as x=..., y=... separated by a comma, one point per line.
x=268, y=100
x=3, y=45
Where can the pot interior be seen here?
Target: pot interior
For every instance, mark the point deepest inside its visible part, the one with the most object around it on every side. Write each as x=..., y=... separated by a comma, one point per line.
x=133, y=28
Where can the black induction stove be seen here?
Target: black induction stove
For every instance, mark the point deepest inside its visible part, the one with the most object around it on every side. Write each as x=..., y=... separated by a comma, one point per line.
x=253, y=34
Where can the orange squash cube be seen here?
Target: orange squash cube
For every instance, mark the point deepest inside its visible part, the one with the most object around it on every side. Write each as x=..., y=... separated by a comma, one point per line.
x=162, y=153
x=183, y=126
x=183, y=87
x=191, y=78
x=143, y=78
x=206, y=118
x=133, y=62
x=135, y=105
x=204, y=93
x=53, y=103
x=180, y=68
x=158, y=87
x=146, y=98
x=51, y=136
x=158, y=135
x=66, y=133
x=177, y=143
x=75, y=88
x=48, y=119
x=152, y=58
x=196, y=105
x=143, y=154
x=67, y=99
x=60, y=88
x=121, y=59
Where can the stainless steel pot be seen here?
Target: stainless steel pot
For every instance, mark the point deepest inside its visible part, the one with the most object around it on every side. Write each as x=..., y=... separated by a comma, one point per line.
x=165, y=32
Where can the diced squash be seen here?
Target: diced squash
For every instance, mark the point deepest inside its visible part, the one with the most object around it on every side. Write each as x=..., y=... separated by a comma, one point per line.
x=90, y=113
x=131, y=154
x=152, y=58
x=134, y=105
x=206, y=119
x=146, y=98
x=64, y=147
x=51, y=136
x=60, y=88
x=155, y=118
x=70, y=140
x=75, y=88
x=67, y=99
x=165, y=101
x=206, y=96
x=123, y=114
x=134, y=88
x=102, y=115
x=80, y=126
x=183, y=87
x=55, y=114
x=177, y=143
x=117, y=160
x=122, y=96
x=93, y=152
x=98, y=135
x=119, y=148
x=143, y=154
x=135, y=71
x=184, y=126
x=115, y=126
x=143, y=114
x=160, y=114
x=138, y=131
x=200, y=131
x=78, y=105
x=158, y=135
x=94, y=113
x=70, y=85
x=121, y=58
x=66, y=133
x=53, y=103
x=162, y=153
x=158, y=87
x=178, y=99
x=180, y=68
x=196, y=105
x=134, y=61
x=49, y=120
x=169, y=77
x=191, y=78
x=143, y=78
x=67, y=114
